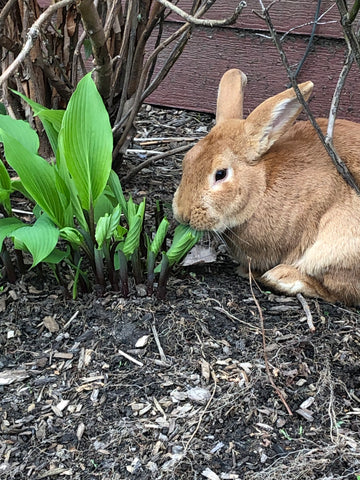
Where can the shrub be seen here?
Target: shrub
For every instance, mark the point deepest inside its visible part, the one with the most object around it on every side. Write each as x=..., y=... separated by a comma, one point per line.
x=80, y=208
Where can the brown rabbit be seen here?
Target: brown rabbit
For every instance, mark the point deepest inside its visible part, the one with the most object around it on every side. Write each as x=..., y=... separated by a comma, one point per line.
x=268, y=187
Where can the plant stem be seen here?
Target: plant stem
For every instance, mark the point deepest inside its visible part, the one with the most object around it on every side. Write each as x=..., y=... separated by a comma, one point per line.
x=124, y=280
x=150, y=272
x=9, y=267
x=163, y=278
x=136, y=266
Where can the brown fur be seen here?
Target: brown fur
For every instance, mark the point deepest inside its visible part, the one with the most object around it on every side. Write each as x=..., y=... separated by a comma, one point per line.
x=283, y=205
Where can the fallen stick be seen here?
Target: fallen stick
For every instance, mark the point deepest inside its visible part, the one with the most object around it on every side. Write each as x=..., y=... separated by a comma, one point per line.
x=130, y=358
x=307, y=311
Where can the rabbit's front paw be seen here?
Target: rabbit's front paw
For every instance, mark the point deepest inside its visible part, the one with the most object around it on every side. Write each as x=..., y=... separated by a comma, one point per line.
x=289, y=280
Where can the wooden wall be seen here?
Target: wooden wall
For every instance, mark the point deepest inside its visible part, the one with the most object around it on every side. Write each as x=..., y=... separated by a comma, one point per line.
x=192, y=84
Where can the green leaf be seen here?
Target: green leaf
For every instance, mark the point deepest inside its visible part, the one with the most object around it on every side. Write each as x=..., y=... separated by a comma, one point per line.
x=38, y=178
x=132, y=240
x=21, y=131
x=105, y=204
x=40, y=239
x=5, y=181
x=71, y=235
x=159, y=236
x=115, y=186
x=5, y=188
x=51, y=119
x=57, y=256
x=7, y=227
x=183, y=241
x=106, y=226
x=86, y=141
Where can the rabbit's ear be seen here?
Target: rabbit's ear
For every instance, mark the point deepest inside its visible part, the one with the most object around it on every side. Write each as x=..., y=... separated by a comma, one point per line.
x=230, y=95
x=272, y=118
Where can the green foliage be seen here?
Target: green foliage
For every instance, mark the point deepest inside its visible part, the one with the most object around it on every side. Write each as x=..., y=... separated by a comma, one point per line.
x=80, y=206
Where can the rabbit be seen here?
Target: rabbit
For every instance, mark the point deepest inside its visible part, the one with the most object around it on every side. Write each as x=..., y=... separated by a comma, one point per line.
x=267, y=186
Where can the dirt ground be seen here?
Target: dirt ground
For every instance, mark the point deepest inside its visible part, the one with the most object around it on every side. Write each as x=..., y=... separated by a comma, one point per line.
x=193, y=398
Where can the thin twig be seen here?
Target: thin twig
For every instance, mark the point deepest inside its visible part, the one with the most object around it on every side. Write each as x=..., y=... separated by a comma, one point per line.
x=307, y=311
x=351, y=38
x=5, y=11
x=158, y=344
x=336, y=96
x=311, y=23
x=204, y=22
x=130, y=358
x=221, y=309
x=32, y=35
x=139, y=95
x=339, y=164
x=262, y=326
x=155, y=140
x=149, y=161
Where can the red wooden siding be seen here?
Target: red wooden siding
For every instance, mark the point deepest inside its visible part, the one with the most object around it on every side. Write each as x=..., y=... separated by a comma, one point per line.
x=192, y=84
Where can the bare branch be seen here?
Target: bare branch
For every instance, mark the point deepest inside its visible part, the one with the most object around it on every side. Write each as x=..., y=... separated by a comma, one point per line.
x=317, y=22
x=93, y=26
x=32, y=35
x=336, y=97
x=354, y=11
x=5, y=11
x=339, y=164
x=204, y=22
x=350, y=37
x=151, y=160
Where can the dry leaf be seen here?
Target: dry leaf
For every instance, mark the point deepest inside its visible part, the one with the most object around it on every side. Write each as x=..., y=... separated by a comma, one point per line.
x=199, y=254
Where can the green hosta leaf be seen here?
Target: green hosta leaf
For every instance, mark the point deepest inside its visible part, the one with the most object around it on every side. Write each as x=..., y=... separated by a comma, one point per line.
x=104, y=204
x=71, y=235
x=184, y=239
x=5, y=187
x=5, y=181
x=106, y=226
x=159, y=236
x=16, y=185
x=115, y=186
x=21, y=131
x=40, y=239
x=7, y=227
x=120, y=233
x=131, y=209
x=38, y=178
x=132, y=240
x=37, y=107
x=86, y=143
x=51, y=119
x=57, y=256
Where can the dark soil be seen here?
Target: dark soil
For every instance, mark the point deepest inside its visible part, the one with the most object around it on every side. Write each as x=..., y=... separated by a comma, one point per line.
x=194, y=400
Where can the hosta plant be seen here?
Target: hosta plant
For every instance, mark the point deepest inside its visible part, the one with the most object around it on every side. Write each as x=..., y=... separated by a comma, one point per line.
x=79, y=206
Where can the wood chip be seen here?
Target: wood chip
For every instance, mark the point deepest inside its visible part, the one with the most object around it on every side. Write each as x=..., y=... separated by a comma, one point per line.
x=208, y=473
x=9, y=376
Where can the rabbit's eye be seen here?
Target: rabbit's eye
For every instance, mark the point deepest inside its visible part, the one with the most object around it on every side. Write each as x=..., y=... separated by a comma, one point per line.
x=220, y=174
